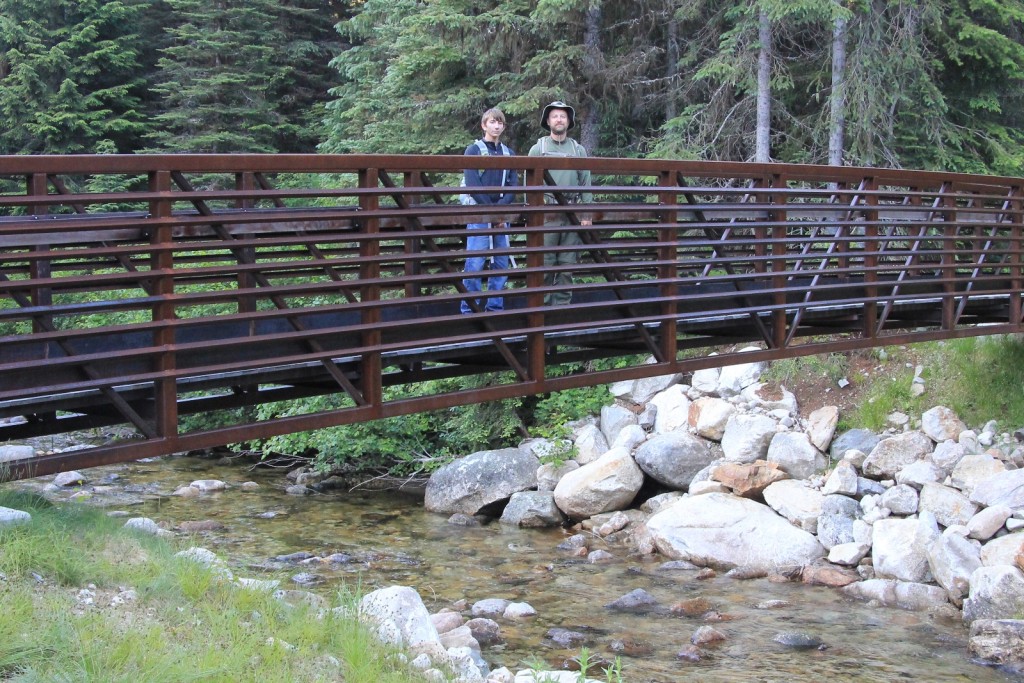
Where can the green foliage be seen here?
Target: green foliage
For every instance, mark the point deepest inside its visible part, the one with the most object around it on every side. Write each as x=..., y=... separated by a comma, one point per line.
x=979, y=378
x=834, y=366
x=69, y=75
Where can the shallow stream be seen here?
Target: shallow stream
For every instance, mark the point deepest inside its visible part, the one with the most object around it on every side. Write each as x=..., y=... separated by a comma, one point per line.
x=392, y=540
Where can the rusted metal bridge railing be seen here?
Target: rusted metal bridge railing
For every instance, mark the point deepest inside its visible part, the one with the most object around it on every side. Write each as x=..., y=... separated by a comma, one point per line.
x=138, y=289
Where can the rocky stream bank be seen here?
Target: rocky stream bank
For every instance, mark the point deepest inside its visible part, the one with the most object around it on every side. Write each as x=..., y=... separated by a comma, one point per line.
x=722, y=477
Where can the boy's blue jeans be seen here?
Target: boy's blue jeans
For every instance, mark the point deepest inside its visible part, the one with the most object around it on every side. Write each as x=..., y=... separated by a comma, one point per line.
x=478, y=243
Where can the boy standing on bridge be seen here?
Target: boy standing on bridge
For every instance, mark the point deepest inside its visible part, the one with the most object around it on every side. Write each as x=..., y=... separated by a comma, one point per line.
x=558, y=119
x=481, y=238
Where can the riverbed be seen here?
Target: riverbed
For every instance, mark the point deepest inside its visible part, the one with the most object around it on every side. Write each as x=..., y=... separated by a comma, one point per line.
x=390, y=539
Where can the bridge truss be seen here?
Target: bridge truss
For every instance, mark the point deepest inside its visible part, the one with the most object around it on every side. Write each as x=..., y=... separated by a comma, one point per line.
x=135, y=290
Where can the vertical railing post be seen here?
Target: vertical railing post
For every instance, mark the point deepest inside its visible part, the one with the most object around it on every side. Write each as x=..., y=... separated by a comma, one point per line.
x=369, y=290
x=413, y=247
x=536, y=350
x=777, y=218
x=246, y=182
x=668, y=270
x=948, y=258
x=870, y=186
x=165, y=394
x=40, y=270
x=1016, y=260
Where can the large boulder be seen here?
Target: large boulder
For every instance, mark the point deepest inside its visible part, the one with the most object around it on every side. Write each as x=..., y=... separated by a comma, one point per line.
x=609, y=483
x=896, y=452
x=673, y=459
x=941, y=423
x=748, y=479
x=795, y=455
x=899, y=549
x=481, y=482
x=747, y=436
x=835, y=525
x=709, y=415
x=952, y=559
x=614, y=419
x=1006, y=488
x=796, y=501
x=399, y=617
x=532, y=509
x=821, y=426
x=722, y=530
x=863, y=440
x=996, y=593
x=673, y=409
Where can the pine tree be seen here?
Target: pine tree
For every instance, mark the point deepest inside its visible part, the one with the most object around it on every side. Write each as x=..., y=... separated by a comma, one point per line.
x=243, y=75
x=69, y=75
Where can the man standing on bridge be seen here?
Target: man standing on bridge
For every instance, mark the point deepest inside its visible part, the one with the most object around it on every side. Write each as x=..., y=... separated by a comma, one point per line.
x=481, y=238
x=558, y=119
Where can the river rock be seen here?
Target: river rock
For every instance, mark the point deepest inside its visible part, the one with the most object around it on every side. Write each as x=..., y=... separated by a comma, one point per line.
x=796, y=501
x=1005, y=488
x=947, y=455
x=747, y=436
x=896, y=452
x=848, y=554
x=532, y=509
x=899, y=549
x=919, y=473
x=735, y=378
x=821, y=426
x=489, y=607
x=952, y=559
x=208, y=485
x=486, y=631
x=637, y=601
x=794, y=454
x=590, y=444
x=941, y=423
x=478, y=482
x=996, y=593
x=613, y=419
x=999, y=642
x=10, y=452
x=72, y=478
x=1002, y=550
x=900, y=499
x=673, y=459
x=770, y=398
x=862, y=440
x=10, y=517
x=835, y=525
x=446, y=621
x=549, y=474
x=988, y=521
x=842, y=480
x=706, y=380
x=673, y=410
x=902, y=594
x=641, y=390
x=748, y=480
x=629, y=437
x=799, y=641
x=721, y=530
x=949, y=506
x=708, y=416
x=609, y=483
x=973, y=469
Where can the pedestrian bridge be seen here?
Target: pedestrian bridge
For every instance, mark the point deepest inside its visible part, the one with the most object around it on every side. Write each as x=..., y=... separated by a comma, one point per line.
x=135, y=290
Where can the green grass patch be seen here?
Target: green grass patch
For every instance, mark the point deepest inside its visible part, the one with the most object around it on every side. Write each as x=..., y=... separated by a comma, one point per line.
x=184, y=624
x=979, y=378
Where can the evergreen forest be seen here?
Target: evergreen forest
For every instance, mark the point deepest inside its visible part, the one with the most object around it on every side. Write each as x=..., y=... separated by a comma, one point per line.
x=934, y=84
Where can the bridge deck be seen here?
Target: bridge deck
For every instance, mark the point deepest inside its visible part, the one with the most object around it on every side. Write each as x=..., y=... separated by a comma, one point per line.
x=141, y=306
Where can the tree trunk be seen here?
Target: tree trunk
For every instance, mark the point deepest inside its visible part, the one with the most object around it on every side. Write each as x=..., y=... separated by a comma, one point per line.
x=671, y=63
x=590, y=128
x=837, y=102
x=762, y=152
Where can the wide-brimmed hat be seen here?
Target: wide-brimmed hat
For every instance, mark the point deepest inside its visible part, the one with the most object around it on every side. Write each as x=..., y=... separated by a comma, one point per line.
x=557, y=104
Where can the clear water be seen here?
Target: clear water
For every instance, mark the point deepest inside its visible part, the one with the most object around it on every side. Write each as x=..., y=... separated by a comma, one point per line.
x=394, y=541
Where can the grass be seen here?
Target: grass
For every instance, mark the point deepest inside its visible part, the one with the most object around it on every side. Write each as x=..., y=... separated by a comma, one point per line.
x=184, y=624
x=979, y=378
